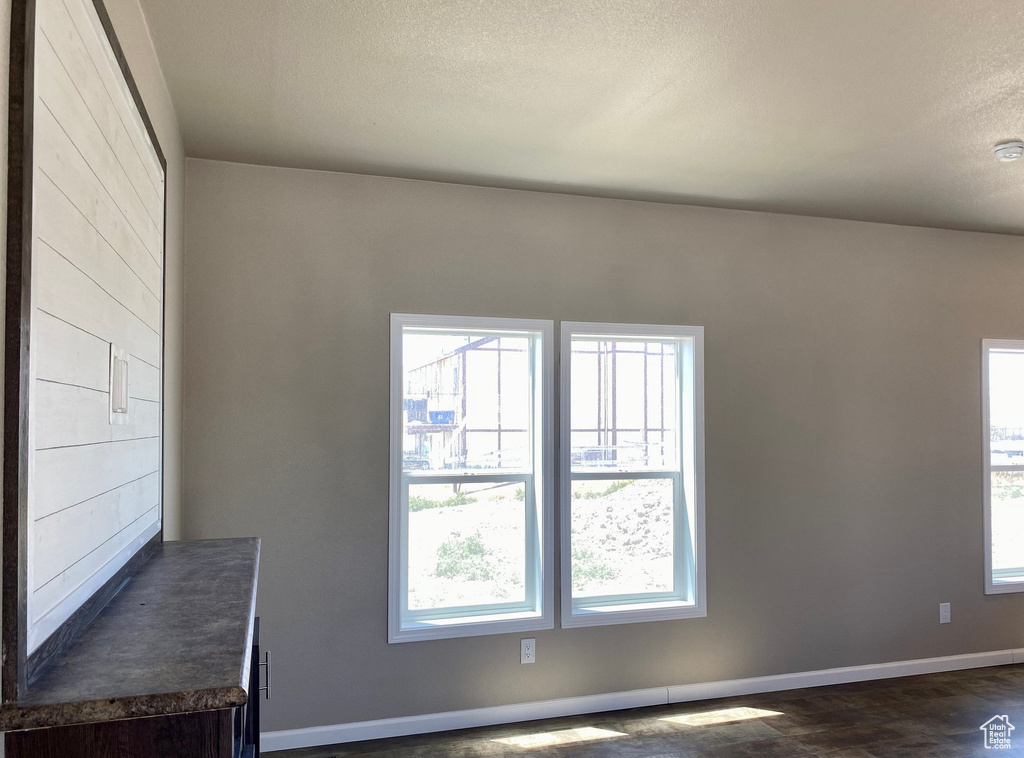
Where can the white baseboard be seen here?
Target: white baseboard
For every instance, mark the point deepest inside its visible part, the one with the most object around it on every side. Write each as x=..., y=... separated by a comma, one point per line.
x=613, y=701
x=708, y=690
x=443, y=722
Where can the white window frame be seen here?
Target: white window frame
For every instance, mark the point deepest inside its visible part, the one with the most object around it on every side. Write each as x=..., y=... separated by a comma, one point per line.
x=989, y=346
x=471, y=621
x=688, y=477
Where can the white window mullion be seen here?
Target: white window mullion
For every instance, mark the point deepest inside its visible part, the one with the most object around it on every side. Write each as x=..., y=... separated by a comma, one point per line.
x=426, y=478
x=611, y=476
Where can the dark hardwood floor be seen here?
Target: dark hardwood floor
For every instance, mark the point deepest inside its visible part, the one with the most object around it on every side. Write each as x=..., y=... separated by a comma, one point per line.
x=932, y=716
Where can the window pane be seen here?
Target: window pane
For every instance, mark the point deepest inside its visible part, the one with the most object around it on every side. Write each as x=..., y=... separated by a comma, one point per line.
x=467, y=401
x=622, y=537
x=624, y=412
x=1006, y=408
x=1007, y=526
x=467, y=544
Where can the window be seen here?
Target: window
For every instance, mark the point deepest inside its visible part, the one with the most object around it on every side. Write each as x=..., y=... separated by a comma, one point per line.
x=1003, y=447
x=471, y=497
x=632, y=473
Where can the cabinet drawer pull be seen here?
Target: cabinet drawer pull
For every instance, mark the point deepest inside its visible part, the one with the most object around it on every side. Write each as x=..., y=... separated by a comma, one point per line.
x=266, y=688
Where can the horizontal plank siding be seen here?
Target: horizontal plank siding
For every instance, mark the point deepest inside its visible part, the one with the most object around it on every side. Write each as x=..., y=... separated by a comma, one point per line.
x=65, y=292
x=58, y=30
x=92, y=522
x=95, y=478
x=62, y=99
x=144, y=381
x=50, y=594
x=64, y=229
x=68, y=416
x=67, y=355
x=60, y=161
x=106, y=68
x=66, y=476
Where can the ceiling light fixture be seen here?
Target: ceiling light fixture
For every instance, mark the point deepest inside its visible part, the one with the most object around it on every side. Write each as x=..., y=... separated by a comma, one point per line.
x=1009, y=151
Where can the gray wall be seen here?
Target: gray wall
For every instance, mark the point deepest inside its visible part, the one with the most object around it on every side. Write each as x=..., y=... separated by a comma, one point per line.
x=843, y=423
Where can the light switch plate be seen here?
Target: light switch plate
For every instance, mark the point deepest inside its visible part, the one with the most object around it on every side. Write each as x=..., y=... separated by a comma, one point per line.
x=119, y=387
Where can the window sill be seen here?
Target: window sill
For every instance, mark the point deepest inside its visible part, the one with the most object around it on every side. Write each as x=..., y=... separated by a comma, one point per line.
x=631, y=613
x=470, y=626
x=1005, y=586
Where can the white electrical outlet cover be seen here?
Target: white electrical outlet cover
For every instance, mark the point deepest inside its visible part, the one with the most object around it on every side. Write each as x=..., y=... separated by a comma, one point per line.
x=528, y=650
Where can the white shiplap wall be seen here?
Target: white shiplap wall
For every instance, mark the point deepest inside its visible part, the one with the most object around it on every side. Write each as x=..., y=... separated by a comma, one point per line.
x=97, y=254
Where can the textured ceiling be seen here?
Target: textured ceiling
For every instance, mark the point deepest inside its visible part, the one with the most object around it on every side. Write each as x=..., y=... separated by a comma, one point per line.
x=884, y=110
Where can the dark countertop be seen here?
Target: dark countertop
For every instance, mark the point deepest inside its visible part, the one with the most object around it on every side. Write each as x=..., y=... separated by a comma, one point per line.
x=175, y=639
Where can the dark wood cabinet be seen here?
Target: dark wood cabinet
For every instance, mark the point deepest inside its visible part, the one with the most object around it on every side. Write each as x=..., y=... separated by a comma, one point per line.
x=169, y=669
x=226, y=733
x=193, y=735
x=246, y=718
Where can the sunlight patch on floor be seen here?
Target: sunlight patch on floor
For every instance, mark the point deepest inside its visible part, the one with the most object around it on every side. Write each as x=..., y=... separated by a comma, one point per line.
x=563, y=737
x=722, y=716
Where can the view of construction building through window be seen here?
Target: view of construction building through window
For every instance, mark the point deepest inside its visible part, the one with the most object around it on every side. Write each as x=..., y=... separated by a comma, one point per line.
x=624, y=413
x=630, y=516
x=468, y=444
x=1005, y=463
x=467, y=402
x=471, y=484
x=624, y=404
